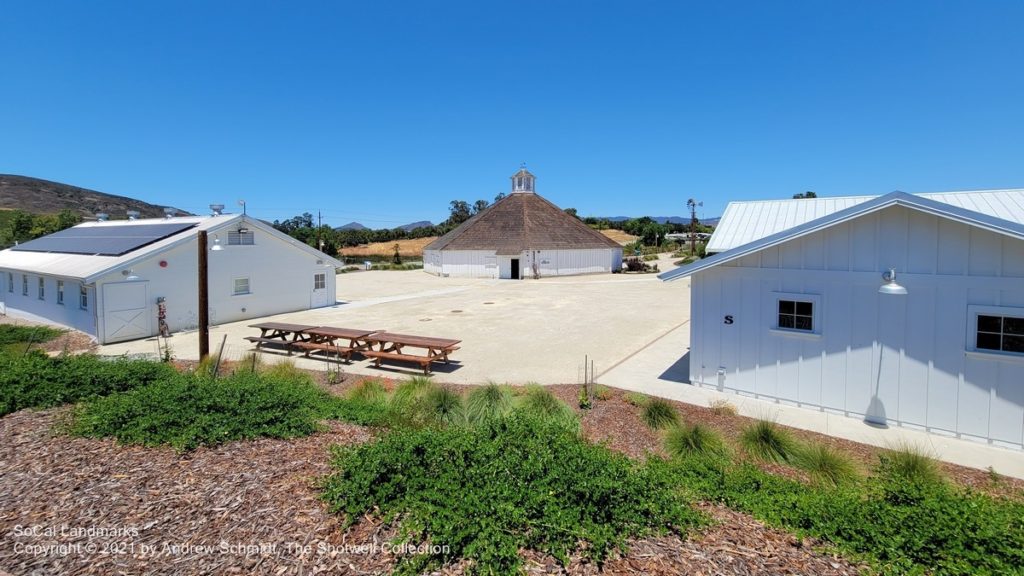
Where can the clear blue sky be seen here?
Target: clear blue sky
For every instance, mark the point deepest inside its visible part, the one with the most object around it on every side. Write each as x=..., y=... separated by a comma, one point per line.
x=383, y=112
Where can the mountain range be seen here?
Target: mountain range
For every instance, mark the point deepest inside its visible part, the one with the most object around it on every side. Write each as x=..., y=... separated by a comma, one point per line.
x=40, y=196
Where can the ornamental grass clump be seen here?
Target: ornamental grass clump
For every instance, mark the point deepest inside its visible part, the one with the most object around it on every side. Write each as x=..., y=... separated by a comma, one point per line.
x=539, y=403
x=659, y=414
x=825, y=464
x=766, y=440
x=488, y=403
x=694, y=440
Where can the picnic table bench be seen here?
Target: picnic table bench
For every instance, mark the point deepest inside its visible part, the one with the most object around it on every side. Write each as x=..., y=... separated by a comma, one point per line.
x=328, y=340
x=391, y=347
x=278, y=333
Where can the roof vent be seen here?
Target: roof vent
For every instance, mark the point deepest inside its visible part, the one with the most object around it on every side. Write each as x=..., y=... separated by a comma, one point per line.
x=217, y=209
x=133, y=214
x=102, y=216
x=169, y=212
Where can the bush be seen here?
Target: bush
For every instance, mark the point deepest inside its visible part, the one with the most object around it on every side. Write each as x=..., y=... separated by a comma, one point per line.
x=723, y=407
x=696, y=440
x=486, y=492
x=406, y=405
x=443, y=406
x=825, y=464
x=369, y=392
x=540, y=403
x=659, y=414
x=38, y=381
x=766, y=440
x=189, y=411
x=602, y=392
x=488, y=403
x=13, y=334
x=908, y=463
x=637, y=399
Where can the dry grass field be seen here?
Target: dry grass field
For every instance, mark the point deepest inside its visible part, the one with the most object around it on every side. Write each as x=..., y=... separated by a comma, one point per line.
x=407, y=248
x=619, y=236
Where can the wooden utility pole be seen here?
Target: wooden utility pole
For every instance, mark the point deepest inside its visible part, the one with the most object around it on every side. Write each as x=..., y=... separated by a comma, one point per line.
x=204, y=300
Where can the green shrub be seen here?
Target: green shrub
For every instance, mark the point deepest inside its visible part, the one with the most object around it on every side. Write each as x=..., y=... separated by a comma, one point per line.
x=368, y=391
x=488, y=403
x=584, y=398
x=825, y=464
x=189, y=411
x=443, y=406
x=485, y=492
x=287, y=370
x=406, y=404
x=602, y=392
x=909, y=463
x=696, y=440
x=538, y=402
x=13, y=334
x=659, y=414
x=38, y=381
x=637, y=399
x=766, y=440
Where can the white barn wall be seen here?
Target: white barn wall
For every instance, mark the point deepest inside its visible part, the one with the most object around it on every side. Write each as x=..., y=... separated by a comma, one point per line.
x=488, y=264
x=67, y=314
x=281, y=280
x=898, y=359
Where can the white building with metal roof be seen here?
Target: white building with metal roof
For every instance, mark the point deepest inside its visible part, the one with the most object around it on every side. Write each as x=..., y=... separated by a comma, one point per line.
x=113, y=279
x=900, y=310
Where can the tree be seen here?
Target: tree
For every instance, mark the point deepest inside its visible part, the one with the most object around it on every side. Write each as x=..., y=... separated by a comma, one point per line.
x=66, y=219
x=499, y=196
x=460, y=212
x=479, y=206
x=808, y=194
x=572, y=212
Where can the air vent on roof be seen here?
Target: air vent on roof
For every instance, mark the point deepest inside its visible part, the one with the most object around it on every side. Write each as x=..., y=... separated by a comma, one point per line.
x=102, y=216
x=133, y=214
x=217, y=209
x=169, y=212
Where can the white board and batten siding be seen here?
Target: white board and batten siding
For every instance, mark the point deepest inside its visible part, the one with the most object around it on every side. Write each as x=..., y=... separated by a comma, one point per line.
x=903, y=360
x=489, y=264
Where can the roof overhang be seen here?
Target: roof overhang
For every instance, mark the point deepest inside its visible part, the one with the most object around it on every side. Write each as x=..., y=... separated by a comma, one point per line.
x=928, y=206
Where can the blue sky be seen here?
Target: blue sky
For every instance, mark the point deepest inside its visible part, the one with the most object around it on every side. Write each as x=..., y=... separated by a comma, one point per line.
x=383, y=112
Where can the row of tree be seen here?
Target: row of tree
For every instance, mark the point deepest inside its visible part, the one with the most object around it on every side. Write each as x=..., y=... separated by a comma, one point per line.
x=17, y=226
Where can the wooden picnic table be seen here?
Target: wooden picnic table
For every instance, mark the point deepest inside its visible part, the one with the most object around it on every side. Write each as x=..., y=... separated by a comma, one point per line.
x=326, y=339
x=278, y=333
x=392, y=346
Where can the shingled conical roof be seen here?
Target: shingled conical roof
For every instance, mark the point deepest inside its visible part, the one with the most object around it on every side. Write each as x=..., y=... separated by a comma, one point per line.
x=521, y=222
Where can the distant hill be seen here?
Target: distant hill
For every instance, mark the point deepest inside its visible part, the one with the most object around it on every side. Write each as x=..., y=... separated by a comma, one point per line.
x=663, y=219
x=415, y=225
x=45, y=197
x=351, y=226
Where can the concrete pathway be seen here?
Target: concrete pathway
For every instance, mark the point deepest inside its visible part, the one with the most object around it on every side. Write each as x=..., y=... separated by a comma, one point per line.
x=646, y=372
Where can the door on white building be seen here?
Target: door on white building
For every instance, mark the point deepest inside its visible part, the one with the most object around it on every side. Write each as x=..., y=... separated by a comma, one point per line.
x=126, y=311
x=320, y=297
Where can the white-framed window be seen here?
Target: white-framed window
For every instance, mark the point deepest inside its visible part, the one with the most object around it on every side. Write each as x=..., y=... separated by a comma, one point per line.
x=241, y=238
x=10, y=282
x=796, y=313
x=83, y=297
x=24, y=284
x=319, y=281
x=60, y=292
x=42, y=288
x=241, y=286
x=995, y=329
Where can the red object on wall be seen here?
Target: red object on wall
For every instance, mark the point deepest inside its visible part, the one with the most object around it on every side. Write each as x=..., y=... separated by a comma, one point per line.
x=163, y=263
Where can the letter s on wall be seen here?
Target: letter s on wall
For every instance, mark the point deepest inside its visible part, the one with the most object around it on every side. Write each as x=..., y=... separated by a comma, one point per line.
x=728, y=319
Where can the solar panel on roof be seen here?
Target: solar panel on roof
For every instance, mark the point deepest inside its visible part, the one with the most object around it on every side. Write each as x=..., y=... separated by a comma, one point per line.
x=103, y=240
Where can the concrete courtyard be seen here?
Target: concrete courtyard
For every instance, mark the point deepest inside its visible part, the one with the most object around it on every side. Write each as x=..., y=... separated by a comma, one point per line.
x=511, y=331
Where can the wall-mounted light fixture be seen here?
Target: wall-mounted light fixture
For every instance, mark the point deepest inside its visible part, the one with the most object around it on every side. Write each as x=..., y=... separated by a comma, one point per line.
x=216, y=244
x=889, y=285
x=129, y=275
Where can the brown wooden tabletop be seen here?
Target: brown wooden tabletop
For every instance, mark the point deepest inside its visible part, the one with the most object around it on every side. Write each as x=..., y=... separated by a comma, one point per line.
x=414, y=341
x=350, y=333
x=281, y=326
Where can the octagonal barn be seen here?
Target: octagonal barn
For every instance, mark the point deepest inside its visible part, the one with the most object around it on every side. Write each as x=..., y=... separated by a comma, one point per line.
x=522, y=236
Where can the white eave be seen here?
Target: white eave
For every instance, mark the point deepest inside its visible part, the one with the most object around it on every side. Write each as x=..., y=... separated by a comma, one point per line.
x=1012, y=228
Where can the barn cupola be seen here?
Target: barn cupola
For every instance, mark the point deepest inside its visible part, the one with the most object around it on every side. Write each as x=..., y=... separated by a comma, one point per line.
x=522, y=181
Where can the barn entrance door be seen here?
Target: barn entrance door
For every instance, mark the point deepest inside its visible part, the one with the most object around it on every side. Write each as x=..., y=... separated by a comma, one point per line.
x=126, y=311
x=320, y=297
x=515, y=268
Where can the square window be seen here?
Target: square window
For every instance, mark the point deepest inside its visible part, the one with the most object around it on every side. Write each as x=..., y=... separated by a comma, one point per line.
x=319, y=281
x=996, y=328
x=796, y=315
x=241, y=286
